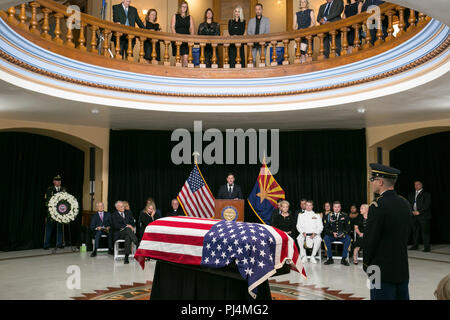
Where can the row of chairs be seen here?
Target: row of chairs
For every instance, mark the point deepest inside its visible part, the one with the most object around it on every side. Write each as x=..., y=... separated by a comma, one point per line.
x=119, y=250
x=319, y=252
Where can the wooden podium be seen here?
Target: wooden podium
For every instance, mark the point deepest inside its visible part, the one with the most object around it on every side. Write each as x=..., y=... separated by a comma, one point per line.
x=228, y=209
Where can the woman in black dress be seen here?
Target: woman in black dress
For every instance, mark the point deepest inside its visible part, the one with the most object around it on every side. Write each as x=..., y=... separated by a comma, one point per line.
x=360, y=226
x=236, y=27
x=285, y=220
x=182, y=23
x=150, y=24
x=209, y=28
x=352, y=8
x=148, y=215
x=304, y=19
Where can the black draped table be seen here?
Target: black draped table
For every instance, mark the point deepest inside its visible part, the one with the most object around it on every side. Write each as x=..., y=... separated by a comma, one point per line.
x=207, y=259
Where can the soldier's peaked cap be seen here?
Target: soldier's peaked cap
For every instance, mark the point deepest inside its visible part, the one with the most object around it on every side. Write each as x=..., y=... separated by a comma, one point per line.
x=382, y=171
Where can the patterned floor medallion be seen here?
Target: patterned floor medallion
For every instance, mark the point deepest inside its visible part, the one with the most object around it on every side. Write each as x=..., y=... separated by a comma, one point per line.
x=280, y=291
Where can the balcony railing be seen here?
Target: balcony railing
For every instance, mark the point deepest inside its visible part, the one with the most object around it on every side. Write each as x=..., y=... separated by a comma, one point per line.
x=32, y=20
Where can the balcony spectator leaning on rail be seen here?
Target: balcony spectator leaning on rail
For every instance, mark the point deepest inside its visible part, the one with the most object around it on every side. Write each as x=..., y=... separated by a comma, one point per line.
x=236, y=27
x=353, y=7
x=384, y=23
x=329, y=12
x=258, y=25
x=127, y=15
x=182, y=23
x=209, y=28
x=150, y=24
x=304, y=19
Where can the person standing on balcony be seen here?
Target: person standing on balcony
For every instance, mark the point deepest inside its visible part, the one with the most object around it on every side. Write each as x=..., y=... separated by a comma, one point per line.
x=209, y=28
x=384, y=23
x=258, y=25
x=304, y=19
x=329, y=12
x=352, y=8
x=150, y=24
x=236, y=27
x=182, y=23
x=127, y=15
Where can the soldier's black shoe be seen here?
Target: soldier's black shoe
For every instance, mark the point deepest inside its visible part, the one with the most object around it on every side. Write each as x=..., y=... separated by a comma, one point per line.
x=329, y=261
x=126, y=260
x=46, y=248
x=60, y=247
x=94, y=254
x=344, y=262
x=426, y=250
x=413, y=248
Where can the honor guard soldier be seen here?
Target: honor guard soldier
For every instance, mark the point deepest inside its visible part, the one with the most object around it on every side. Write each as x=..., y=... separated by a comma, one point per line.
x=337, y=228
x=49, y=222
x=386, y=237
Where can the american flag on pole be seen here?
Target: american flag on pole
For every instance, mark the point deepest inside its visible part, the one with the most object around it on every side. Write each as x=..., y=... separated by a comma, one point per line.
x=257, y=250
x=195, y=197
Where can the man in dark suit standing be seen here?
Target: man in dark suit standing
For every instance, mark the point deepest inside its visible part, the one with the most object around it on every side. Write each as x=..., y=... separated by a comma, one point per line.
x=124, y=228
x=127, y=15
x=386, y=237
x=230, y=190
x=101, y=225
x=49, y=222
x=329, y=12
x=420, y=201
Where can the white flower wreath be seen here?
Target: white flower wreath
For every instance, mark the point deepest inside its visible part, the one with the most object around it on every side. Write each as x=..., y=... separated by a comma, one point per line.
x=63, y=207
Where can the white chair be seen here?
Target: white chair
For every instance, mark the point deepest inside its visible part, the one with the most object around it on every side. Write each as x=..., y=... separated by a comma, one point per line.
x=319, y=252
x=119, y=253
x=99, y=249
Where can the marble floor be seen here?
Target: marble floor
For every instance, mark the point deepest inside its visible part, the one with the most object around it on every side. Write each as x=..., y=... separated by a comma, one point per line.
x=38, y=274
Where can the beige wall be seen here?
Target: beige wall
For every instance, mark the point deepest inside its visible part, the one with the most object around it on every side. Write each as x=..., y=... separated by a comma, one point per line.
x=391, y=136
x=81, y=137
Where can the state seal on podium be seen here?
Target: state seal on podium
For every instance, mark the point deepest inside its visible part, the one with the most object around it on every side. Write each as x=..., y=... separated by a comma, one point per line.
x=230, y=213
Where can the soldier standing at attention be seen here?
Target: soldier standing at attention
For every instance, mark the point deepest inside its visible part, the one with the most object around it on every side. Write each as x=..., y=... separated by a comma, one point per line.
x=386, y=237
x=49, y=222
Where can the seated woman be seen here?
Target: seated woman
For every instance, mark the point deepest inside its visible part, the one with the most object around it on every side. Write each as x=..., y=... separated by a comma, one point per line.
x=148, y=215
x=304, y=19
x=182, y=23
x=236, y=27
x=284, y=220
x=360, y=226
x=353, y=7
x=209, y=28
x=150, y=24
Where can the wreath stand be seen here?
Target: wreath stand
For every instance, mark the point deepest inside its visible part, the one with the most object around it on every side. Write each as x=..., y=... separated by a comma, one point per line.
x=74, y=249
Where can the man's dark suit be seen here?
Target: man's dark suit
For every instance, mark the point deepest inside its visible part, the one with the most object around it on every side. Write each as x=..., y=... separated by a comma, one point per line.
x=224, y=194
x=385, y=242
x=421, y=223
x=121, y=231
x=133, y=19
x=384, y=21
x=333, y=13
x=96, y=222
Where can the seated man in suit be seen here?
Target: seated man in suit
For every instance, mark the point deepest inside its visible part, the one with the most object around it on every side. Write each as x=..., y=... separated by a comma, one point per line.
x=100, y=225
x=127, y=15
x=123, y=225
x=337, y=228
x=329, y=12
x=230, y=190
x=175, y=209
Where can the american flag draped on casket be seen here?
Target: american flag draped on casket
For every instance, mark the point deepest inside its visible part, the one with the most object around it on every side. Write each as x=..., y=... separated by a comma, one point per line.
x=257, y=250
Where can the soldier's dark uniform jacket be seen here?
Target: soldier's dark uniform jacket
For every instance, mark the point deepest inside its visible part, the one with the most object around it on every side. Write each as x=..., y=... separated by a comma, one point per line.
x=386, y=237
x=340, y=225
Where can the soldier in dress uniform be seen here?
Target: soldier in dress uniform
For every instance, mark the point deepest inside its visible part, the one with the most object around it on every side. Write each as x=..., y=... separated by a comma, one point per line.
x=49, y=222
x=337, y=228
x=386, y=236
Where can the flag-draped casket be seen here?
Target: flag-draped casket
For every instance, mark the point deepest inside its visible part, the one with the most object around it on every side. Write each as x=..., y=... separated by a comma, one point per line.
x=257, y=250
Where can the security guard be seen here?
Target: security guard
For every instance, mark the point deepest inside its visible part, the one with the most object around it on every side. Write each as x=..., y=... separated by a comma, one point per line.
x=49, y=222
x=386, y=237
x=337, y=228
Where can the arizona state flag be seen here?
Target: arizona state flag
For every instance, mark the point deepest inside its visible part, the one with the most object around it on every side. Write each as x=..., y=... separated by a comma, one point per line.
x=265, y=194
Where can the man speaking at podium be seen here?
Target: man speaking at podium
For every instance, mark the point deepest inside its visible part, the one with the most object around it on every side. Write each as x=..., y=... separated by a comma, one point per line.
x=230, y=190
